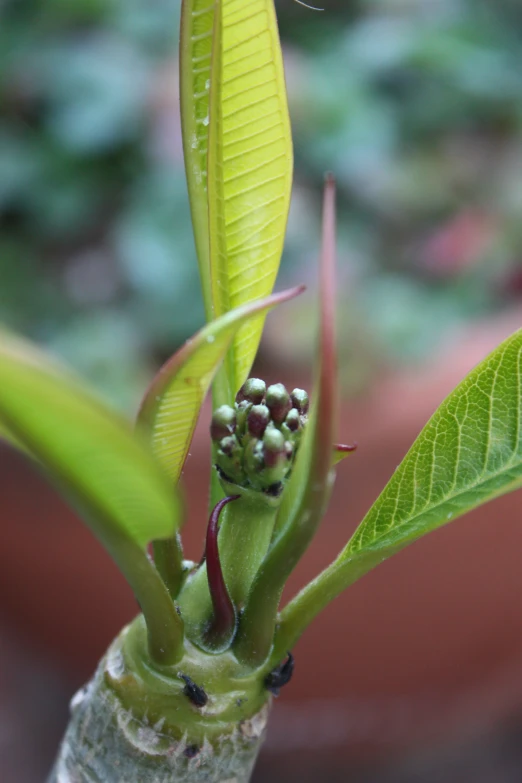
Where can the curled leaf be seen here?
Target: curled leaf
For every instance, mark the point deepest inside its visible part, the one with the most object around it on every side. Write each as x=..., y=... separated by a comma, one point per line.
x=196, y=35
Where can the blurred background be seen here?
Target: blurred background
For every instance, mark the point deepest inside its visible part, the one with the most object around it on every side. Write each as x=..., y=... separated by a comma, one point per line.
x=416, y=105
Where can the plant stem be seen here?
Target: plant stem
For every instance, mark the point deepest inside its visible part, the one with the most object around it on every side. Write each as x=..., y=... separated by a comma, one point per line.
x=165, y=628
x=168, y=559
x=133, y=723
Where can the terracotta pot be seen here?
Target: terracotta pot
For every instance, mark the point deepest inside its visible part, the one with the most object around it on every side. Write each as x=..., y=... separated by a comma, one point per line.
x=429, y=641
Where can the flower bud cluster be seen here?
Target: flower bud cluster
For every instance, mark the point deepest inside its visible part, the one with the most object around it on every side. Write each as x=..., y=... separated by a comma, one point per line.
x=258, y=438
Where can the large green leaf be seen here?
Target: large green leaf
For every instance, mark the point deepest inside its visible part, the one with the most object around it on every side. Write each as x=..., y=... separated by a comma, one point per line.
x=469, y=453
x=171, y=406
x=102, y=467
x=197, y=21
x=90, y=452
x=249, y=166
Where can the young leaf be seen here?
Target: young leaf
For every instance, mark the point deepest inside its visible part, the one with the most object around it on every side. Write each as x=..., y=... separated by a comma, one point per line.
x=307, y=494
x=96, y=461
x=249, y=167
x=197, y=22
x=469, y=453
x=170, y=408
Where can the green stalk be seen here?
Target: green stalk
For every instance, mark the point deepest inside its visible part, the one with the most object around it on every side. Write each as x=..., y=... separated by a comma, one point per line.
x=168, y=559
x=134, y=722
x=165, y=628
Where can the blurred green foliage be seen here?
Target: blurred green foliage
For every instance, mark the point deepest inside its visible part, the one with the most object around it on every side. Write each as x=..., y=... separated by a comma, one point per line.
x=416, y=105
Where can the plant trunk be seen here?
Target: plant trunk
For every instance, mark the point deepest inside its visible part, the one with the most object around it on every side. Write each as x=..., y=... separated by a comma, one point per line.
x=118, y=735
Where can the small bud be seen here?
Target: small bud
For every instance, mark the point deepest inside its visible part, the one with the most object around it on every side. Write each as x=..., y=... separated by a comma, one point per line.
x=289, y=449
x=300, y=400
x=242, y=409
x=278, y=401
x=254, y=463
x=274, y=447
x=293, y=420
x=224, y=423
x=257, y=420
x=229, y=459
x=228, y=445
x=253, y=391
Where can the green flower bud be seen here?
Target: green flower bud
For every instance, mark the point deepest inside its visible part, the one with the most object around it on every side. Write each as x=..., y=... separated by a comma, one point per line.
x=257, y=420
x=278, y=401
x=293, y=420
x=256, y=442
x=242, y=411
x=274, y=447
x=253, y=391
x=229, y=459
x=301, y=401
x=223, y=423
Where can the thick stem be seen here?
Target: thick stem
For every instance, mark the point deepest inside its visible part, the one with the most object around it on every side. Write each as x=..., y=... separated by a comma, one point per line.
x=134, y=723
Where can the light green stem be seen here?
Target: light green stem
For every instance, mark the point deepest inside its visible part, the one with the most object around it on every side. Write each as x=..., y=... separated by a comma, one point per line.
x=134, y=723
x=168, y=559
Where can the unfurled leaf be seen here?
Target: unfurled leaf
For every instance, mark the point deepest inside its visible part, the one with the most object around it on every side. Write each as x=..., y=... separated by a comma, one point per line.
x=469, y=453
x=305, y=498
x=171, y=406
x=88, y=451
x=249, y=167
x=197, y=22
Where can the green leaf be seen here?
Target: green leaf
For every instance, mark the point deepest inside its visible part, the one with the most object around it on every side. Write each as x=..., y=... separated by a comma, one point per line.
x=96, y=460
x=89, y=450
x=197, y=22
x=306, y=496
x=171, y=406
x=249, y=167
x=469, y=453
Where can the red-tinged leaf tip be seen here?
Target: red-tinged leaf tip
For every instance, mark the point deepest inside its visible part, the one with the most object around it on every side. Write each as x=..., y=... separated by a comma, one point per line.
x=341, y=447
x=224, y=619
x=341, y=451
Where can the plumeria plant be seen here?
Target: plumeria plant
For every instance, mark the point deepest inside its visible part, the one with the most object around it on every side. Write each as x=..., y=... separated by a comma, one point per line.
x=184, y=691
